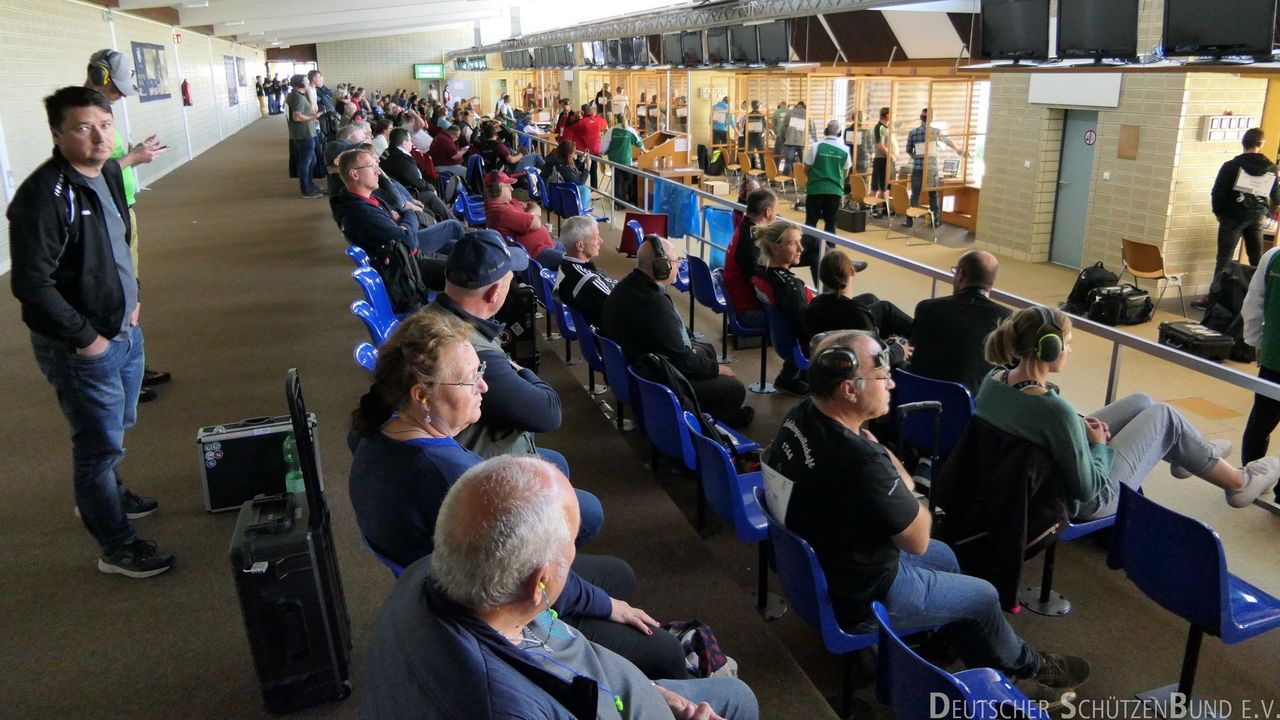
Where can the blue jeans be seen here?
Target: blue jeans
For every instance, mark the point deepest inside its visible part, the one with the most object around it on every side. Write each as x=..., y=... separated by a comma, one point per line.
x=99, y=397
x=306, y=158
x=930, y=590
x=917, y=185
x=440, y=238
x=590, y=512
x=730, y=698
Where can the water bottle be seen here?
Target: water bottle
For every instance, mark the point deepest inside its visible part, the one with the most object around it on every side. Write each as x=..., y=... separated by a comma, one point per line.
x=293, y=476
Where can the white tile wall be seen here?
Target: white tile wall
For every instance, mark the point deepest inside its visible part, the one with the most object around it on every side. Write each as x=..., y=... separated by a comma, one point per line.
x=46, y=46
x=386, y=63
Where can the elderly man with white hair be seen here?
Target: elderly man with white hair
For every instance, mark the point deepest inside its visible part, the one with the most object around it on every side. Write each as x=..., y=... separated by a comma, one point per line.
x=470, y=633
x=584, y=286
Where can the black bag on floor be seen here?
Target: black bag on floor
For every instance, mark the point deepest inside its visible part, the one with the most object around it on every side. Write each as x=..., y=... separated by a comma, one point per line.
x=852, y=220
x=400, y=275
x=1196, y=339
x=1220, y=319
x=286, y=574
x=519, y=338
x=1094, y=276
x=1231, y=285
x=1120, y=305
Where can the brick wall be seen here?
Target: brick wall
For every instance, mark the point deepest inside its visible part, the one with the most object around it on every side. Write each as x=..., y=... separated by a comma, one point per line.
x=47, y=44
x=386, y=63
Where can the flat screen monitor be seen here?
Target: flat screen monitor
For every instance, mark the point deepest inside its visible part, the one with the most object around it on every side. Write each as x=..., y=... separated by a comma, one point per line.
x=1223, y=27
x=1015, y=29
x=569, y=59
x=641, y=50
x=600, y=52
x=671, y=49
x=1098, y=29
x=562, y=55
x=628, y=52
x=717, y=46
x=588, y=54
x=613, y=53
x=744, y=46
x=775, y=42
x=691, y=48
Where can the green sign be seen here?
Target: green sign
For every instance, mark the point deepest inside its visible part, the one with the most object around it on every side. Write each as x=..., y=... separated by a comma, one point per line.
x=428, y=71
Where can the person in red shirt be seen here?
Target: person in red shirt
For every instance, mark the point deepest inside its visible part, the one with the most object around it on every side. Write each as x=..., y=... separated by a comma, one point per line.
x=563, y=118
x=521, y=221
x=587, y=133
x=742, y=262
x=445, y=154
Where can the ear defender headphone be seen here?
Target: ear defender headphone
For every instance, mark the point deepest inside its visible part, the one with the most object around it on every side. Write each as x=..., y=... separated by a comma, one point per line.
x=100, y=68
x=661, y=263
x=838, y=362
x=1049, y=342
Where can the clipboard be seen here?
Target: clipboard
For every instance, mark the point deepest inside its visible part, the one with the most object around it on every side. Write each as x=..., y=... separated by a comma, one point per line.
x=682, y=112
x=777, y=492
x=1255, y=184
x=850, y=137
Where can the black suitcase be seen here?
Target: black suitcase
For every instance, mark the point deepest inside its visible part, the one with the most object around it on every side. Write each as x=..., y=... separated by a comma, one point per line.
x=852, y=220
x=1120, y=305
x=1196, y=339
x=519, y=338
x=286, y=574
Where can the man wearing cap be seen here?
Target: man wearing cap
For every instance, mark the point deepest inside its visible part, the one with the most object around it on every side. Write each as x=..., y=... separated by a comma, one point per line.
x=111, y=73
x=519, y=220
x=478, y=276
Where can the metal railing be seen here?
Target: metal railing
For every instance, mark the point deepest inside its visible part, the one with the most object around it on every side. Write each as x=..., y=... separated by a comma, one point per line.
x=1119, y=339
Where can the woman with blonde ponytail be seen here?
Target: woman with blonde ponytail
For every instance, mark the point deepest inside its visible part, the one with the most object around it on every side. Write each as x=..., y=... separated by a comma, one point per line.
x=1120, y=443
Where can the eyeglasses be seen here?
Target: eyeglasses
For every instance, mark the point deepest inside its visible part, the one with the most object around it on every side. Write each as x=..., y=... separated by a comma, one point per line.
x=365, y=167
x=474, y=384
x=881, y=360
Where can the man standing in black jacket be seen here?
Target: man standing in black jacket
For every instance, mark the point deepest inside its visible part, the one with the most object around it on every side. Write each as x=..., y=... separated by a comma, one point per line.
x=1243, y=193
x=640, y=316
x=949, y=332
x=69, y=238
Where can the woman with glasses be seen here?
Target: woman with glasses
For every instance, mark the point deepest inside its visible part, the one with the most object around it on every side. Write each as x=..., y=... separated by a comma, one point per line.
x=428, y=386
x=1120, y=443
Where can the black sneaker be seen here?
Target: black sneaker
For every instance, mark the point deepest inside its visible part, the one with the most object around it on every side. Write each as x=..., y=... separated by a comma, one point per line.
x=138, y=506
x=147, y=394
x=155, y=377
x=791, y=386
x=136, y=559
x=313, y=194
x=1062, y=672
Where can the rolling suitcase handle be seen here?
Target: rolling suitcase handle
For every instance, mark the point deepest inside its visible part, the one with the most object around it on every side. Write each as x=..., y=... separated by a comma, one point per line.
x=932, y=406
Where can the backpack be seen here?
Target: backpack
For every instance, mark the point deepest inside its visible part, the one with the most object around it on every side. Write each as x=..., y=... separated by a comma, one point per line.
x=1090, y=278
x=399, y=271
x=1231, y=285
x=1120, y=305
x=715, y=165
x=704, y=158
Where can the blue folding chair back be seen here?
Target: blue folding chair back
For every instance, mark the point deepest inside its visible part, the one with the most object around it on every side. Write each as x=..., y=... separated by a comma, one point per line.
x=783, y=337
x=703, y=285
x=395, y=569
x=539, y=187
x=473, y=211
x=460, y=207
x=719, y=223
x=380, y=327
x=586, y=339
x=366, y=356
x=358, y=255
x=682, y=275
x=957, y=409
x=915, y=688
x=375, y=292
x=731, y=496
x=568, y=329
x=475, y=173
x=663, y=421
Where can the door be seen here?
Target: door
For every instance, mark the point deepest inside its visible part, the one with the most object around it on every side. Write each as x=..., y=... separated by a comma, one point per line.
x=1075, y=173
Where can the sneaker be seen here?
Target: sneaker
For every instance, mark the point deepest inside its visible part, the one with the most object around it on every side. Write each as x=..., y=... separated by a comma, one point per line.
x=728, y=670
x=859, y=265
x=155, y=377
x=147, y=394
x=907, y=223
x=1201, y=304
x=312, y=194
x=138, y=506
x=1259, y=477
x=136, y=559
x=791, y=386
x=1221, y=449
x=1043, y=696
x=1062, y=672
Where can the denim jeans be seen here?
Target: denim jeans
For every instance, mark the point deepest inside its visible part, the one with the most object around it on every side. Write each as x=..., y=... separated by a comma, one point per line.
x=1144, y=432
x=730, y=698
x=917, y=184
x=305, y=155
x=930, y=590
x=590, y=512
x=99, y=397
x=440, y=238
x=1229, y=233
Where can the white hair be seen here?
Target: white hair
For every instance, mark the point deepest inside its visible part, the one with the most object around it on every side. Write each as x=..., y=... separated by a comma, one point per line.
x=576, y=229
x=499, y=523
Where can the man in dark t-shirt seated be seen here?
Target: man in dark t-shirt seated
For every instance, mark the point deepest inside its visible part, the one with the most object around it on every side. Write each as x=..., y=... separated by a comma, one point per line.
x=833, y=484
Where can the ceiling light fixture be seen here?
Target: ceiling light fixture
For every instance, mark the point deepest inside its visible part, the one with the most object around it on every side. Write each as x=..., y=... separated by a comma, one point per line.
x=233, y=23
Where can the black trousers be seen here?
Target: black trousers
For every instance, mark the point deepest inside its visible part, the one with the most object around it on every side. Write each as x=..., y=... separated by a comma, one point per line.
x=624, y=185
x=1263, y=418
x=889, y=318
x=1229, y=233
x=879, y=174
x=659, y=656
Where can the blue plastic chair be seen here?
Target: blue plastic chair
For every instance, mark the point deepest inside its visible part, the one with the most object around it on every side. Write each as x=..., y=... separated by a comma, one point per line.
x=732, y=498
x=571, y=203
x=358, y=255
x=395, y=569
x=1179, y=563
x=705, y=286
x=380, y=327
x=568, y=329
x=375, y=292
x=475, y=173
x=460, y=207
x=682, y=278
x=366, y=356
x=539, y=190
x=783, y=337
x=912, y=685
x=957, y=408
x=533, y=276
x=617, y=374
x=663, y=422
x=1044, y=600
x=805, y=586
x=473, y=211
x=590, y=349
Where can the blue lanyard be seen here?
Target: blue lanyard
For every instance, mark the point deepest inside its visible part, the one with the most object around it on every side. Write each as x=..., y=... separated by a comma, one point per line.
x=617, y=699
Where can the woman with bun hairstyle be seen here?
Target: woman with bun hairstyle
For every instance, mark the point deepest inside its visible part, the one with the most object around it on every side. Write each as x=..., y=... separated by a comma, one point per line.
x=1120, y=443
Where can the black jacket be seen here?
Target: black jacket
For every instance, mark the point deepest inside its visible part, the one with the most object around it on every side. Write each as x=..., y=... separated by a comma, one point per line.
x=1231, y=205
x=64, y=272
x=641, y=318
x=401, y=167
x=365, y=224
x=584, y=288
x=948, y=336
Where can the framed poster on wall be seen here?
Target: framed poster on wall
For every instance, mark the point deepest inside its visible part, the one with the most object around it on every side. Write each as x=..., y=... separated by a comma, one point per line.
x=242, y=76
x=233, y=91
x=151, y=72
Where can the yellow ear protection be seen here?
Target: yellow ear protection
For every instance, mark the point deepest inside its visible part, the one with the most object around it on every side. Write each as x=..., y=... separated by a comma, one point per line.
x=1049, y=342
x=661, y=263
x=100, y=68
x=543, y=587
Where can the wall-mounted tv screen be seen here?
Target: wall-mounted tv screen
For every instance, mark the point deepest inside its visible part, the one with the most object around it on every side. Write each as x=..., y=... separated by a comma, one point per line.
x=627, y=48
x=744, y=46
x=600, y=52
x=691, y=48
x=671, y=54
x=562, y=56
x=1098, y=29
x=1223, y=27
x=1015, y=29
x=641, y=50
x=569, y=52
x=717, y=46
x=613, y=53
x=775, y=42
